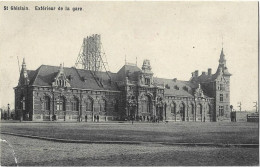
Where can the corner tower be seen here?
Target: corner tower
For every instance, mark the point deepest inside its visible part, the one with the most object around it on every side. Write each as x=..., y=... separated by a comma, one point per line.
x=222, y=87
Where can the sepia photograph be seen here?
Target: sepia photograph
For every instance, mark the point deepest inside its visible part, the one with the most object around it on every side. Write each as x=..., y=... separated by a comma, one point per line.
x=127, y=83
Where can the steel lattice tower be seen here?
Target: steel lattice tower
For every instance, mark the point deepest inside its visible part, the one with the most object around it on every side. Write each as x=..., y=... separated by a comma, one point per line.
x=91, y=56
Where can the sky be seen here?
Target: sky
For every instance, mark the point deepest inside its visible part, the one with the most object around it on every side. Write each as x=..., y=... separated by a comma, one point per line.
x=177, y=37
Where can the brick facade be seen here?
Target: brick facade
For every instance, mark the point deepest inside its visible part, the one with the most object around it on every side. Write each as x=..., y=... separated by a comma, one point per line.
x=70, y=94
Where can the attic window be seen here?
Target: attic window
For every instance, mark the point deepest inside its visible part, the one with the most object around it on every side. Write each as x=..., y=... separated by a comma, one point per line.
x=176, y=87
x=70, y=77
x=185, y=88
x=83, y=79
x=167, y=86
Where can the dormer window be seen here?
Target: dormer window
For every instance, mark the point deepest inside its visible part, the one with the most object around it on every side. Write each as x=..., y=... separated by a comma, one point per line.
x=167, y=86
x=60, y=80
x=185, y=88
x=176, y=87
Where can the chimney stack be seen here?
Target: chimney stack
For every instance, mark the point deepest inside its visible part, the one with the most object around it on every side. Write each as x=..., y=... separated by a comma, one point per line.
x=209, y=71
x=203, y=73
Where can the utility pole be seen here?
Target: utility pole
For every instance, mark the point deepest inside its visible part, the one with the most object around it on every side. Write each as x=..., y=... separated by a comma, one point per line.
x=239, y=106
x=255, y=106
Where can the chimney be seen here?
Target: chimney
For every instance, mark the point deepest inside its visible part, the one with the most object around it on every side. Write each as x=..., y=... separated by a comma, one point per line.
x=203, y=73
x=209, y=71
x=192, y=74
x=196, y=73
x=174, y=79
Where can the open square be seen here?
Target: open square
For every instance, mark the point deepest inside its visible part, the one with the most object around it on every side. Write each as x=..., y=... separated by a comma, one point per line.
x=156, y=144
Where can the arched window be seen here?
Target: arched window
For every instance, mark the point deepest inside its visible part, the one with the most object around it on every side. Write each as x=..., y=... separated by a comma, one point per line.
x=199, y=109
x=46, y=103
x=209, y=109
x=192, y=108
x=145, y=104
x=102, y=104
x=116, y=106
x=61, y=104
x=23, y=103
x=89, y=105
x=173, y=108
x=75, y=104
x=182, y=109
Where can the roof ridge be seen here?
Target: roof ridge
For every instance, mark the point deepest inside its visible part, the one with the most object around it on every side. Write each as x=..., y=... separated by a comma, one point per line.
x=171, y=79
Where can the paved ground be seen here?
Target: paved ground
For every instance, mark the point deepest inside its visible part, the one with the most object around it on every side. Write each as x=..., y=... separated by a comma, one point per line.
x=31, y=152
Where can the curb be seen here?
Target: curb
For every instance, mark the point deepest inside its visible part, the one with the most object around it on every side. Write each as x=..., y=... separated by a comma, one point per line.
x=132, y=142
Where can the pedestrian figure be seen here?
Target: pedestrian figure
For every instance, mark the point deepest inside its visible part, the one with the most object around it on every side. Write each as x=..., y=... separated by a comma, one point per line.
x=97, y=118
x=86, y=118
x=204, y=118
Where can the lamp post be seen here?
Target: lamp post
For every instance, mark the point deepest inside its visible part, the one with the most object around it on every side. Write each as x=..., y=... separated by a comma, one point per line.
x=8, y=110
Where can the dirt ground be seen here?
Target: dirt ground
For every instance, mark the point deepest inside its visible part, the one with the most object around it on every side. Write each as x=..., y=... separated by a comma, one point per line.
x=34, y=152
x=178, y=132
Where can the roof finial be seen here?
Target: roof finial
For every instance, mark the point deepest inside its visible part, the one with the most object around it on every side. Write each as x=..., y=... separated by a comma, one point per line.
x=136, y=61
x=23, y=64
x=222, y=42
x=125, y=59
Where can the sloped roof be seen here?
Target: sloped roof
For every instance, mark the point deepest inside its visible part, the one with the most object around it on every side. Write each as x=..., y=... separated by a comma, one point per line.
x=209, y=78
x=204, y=78
x=78, y=78
x=177, y=87
x=128, y=70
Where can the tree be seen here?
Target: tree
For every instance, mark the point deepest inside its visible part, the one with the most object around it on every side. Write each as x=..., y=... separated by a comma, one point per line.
x=231, y=107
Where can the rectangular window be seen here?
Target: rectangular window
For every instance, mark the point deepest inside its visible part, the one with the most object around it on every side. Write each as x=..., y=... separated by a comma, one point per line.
x=221, y=97
x=147, y=81
x=222, y=87
x=74, y=106
x=59, y=106
x=23, y=103
x=221, y=110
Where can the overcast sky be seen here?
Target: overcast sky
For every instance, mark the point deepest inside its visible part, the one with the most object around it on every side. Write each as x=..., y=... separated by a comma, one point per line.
x=177, y=37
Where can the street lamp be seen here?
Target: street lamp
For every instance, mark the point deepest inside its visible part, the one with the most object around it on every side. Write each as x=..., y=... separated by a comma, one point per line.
x=8, y=109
